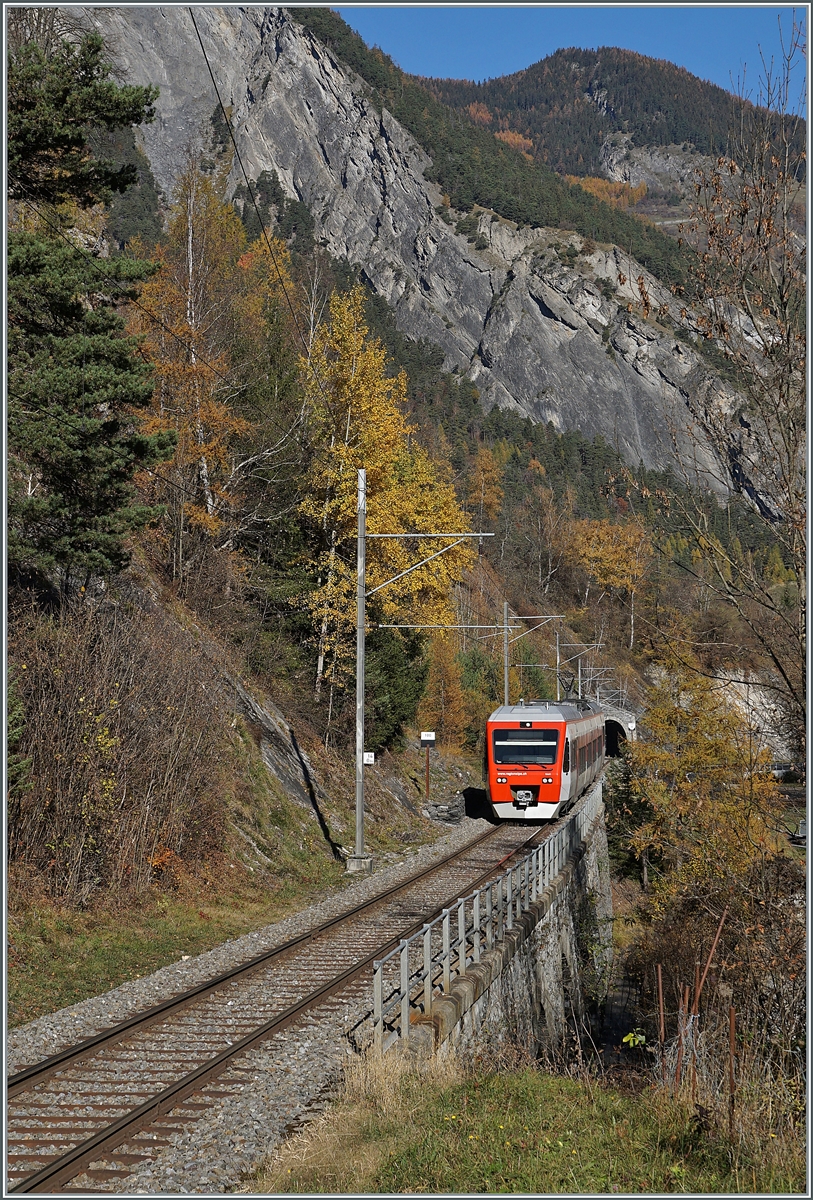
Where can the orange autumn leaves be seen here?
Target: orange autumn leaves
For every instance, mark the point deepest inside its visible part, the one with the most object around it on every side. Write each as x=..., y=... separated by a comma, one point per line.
x=209, y=292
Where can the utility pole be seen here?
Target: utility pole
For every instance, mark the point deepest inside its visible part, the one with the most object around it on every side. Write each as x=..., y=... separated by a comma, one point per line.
x=360, y=862
x=558, y=664
x=505, y=650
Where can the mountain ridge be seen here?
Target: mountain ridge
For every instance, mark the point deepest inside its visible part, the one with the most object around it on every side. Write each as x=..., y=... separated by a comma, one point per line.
x=570, y=102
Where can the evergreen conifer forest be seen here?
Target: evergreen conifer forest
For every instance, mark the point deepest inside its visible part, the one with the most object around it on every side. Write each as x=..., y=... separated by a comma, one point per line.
x=193, y=383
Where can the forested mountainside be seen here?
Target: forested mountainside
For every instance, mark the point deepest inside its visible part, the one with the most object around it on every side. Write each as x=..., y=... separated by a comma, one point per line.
x=473, y=167
x=569, y=103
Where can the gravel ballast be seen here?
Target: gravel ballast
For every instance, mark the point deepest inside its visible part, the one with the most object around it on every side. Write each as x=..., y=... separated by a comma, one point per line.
x=285, y=1079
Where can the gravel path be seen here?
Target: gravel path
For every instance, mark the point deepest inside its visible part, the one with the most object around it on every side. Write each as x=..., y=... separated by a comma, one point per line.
x=287, y=1078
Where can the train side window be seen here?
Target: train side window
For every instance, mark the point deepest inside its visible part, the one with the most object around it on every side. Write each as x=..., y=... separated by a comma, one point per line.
x=566, y=758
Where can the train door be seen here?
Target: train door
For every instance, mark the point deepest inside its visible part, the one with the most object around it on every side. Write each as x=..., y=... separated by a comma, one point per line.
x=567, y=783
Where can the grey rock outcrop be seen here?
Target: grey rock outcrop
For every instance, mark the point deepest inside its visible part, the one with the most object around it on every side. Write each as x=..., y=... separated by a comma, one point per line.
x=666, y=168
x=555, y=338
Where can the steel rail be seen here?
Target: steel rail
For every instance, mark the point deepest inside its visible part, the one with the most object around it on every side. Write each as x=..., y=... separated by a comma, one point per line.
x=69, y=1164
x=38, y=1072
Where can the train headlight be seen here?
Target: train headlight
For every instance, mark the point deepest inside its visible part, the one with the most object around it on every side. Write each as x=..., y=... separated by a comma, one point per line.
x=501, y=779
x=547, y=781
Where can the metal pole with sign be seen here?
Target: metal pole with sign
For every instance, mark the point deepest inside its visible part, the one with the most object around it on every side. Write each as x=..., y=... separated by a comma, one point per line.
x=427, y=741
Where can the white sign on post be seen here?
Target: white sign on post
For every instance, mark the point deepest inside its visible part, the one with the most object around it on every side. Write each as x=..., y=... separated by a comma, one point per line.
x=369, y=758
x=427, y=739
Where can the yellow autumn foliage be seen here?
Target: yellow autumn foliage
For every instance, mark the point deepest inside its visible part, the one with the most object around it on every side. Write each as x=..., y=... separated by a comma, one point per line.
x=356, y=420
x=704, y=784
x=444, y=705
x=192, y=302
x=621, y=195
x=485, y=486
x=615, y=554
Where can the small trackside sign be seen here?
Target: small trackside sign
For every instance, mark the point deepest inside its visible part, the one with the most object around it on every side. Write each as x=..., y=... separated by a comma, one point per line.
x=368, y=758
x=427, y=739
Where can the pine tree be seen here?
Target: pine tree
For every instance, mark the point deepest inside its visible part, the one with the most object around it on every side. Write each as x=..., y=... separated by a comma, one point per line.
x=53, y=101
x=74, y=382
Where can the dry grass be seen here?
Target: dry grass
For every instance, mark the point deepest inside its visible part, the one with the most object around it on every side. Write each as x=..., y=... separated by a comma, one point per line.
x=345, y=1148
x=440, y=1125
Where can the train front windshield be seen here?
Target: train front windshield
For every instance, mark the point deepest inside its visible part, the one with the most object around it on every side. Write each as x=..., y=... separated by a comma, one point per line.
x=526, y=746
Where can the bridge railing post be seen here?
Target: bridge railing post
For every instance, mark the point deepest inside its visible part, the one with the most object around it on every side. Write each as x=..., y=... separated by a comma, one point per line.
x=490, y=917
x=378, y=1006
x=447, y=951
x=475, y=932
x=405, y=992
x=461, y=937
x=427, y=970
x=500, y=914
x=509, y=898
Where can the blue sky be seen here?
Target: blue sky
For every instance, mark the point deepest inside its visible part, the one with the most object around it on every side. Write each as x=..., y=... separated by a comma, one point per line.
x=468, y=41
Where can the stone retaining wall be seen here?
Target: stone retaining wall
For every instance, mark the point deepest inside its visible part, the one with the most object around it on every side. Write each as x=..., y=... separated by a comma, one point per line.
x=527, y=989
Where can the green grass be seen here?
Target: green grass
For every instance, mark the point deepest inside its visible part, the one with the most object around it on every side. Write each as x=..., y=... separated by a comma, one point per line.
x=59, y=956
x=534, y=1133
x=521, y=1132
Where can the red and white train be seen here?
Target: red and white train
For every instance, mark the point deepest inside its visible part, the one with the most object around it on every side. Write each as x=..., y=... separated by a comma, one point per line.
x=541, y=756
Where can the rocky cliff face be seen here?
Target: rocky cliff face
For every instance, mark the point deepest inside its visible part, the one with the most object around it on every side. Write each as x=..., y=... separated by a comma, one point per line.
x=544, y=324
x=664, y=168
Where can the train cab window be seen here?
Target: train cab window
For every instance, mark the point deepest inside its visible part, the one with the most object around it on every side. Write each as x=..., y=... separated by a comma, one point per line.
x=566, y=758
x=526, y=746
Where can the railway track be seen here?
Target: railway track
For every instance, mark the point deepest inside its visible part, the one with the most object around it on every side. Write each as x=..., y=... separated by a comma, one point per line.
x=86, y=1118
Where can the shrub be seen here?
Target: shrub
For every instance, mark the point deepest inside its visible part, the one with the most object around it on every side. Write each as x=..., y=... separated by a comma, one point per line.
x=122, y=734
